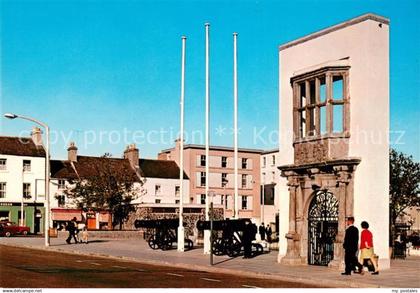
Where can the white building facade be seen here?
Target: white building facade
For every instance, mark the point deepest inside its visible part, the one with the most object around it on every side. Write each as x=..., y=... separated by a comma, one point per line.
x=22, y=180
x=334, y=125
x=270, y=175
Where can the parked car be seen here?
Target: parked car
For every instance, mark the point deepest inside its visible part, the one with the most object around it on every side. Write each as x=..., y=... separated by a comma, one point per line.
x=10, y=228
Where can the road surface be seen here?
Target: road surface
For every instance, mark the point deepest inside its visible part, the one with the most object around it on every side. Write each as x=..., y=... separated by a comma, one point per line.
x=28, y=268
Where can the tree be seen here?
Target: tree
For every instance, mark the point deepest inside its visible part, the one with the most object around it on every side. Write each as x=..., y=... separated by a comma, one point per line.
x=108, y=184
x=404, y=185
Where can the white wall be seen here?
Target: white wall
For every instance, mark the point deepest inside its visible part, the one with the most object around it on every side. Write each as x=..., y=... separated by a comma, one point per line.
x=15, y=177
x=367, y=46
x=167, y=192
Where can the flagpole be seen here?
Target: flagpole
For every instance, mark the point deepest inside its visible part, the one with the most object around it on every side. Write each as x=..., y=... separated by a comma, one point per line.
x=207, y=232
x=235, y=123
x=181, y=233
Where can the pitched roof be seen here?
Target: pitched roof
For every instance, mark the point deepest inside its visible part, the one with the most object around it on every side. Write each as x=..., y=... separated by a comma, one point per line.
x=86, y=167
x=62, y=170
x=20, y=146
x=159, y=169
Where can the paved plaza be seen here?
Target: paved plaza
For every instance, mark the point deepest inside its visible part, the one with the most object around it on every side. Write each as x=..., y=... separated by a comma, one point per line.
x=403, y=273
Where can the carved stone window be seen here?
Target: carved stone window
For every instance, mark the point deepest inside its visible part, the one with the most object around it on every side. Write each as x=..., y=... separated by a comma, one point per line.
x=321, y=100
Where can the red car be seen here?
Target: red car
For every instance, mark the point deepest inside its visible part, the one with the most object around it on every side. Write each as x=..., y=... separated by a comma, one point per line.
x=9, y=228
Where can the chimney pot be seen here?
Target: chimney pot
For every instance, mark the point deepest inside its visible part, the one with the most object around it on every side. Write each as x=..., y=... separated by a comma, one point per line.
x=72, y=152
x=131, y=153
x=36, y=135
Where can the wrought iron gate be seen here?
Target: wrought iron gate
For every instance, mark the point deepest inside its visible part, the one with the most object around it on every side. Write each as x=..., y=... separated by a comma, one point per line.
x=322, y=228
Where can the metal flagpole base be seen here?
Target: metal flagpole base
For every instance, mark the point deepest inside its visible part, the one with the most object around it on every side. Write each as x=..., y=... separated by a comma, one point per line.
x=206, y=242
x=181, y=237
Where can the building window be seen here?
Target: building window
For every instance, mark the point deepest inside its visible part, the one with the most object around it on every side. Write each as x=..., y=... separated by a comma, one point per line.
x=226, y=201
x=203, y=160
x=222, y=199
x=243, y=180
x=26, y=165
x=321, y=102
x=244, y=163
x=244, y=202
x=274, y=160
x=26, y=190
x=264, y=161
x=177, y=201
x=273, y=176
x=157, y=200
x=224, y=179
x=61, y=184
x=202, y=199
x=224, y=162
x=3, y=164
x=2, y=189
x=177, y=190
x=203, y=178
x=61, y=200
x=157, y=189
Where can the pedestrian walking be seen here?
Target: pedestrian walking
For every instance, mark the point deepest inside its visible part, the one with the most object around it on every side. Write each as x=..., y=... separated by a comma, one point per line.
x=71, y=228
x=85, y=235
x=261, y=230
x=350, y=245
x=269, y=232
x=366, y=247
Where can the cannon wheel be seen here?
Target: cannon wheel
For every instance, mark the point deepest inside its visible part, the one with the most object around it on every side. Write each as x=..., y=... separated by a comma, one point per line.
x=188, y=244
x=167, y=243
x=258, y=248
x=153, y=244
x=234, y=249
x=218, y=247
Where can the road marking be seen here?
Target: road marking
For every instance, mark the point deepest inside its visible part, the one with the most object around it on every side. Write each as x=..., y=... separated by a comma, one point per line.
x=211, y=280
x=248, y=286
x=95, y=263
x=79, y=260
x=172, y=274
x=119, y=267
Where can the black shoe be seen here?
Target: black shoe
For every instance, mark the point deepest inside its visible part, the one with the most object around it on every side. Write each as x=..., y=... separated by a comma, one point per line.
x=68, y=242
x=375, y=273
x=346, y=274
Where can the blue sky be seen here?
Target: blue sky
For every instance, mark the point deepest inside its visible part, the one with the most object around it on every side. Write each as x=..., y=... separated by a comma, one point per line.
x=92, y=68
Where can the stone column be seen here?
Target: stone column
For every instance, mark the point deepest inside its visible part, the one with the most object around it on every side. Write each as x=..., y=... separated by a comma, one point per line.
x=342, y=182
x=292, y=255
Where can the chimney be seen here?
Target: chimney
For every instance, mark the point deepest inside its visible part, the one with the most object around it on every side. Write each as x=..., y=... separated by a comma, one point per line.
x=37, y=136
x=131, y=153
x=72, y=152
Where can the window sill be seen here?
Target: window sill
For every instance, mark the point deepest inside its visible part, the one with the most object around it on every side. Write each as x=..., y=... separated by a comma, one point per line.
x=322, y=137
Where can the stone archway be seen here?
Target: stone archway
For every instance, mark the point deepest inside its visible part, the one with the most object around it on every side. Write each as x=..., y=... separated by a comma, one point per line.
x=322, y=227
x=305, y=182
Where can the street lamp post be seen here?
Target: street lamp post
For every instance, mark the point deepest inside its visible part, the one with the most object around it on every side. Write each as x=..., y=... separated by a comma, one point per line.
x=47, y=171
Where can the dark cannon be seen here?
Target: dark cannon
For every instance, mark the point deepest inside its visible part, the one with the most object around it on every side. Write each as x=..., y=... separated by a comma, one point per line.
x=163, y=233
x=228, y=236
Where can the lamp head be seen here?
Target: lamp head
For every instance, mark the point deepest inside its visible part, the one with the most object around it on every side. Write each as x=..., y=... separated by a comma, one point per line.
x=10, y=116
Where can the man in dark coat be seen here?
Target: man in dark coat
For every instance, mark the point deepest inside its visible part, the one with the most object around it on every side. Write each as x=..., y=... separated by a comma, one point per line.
x=261, y=230
x=72, y=227
x=351, y=245
x=269, y=233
